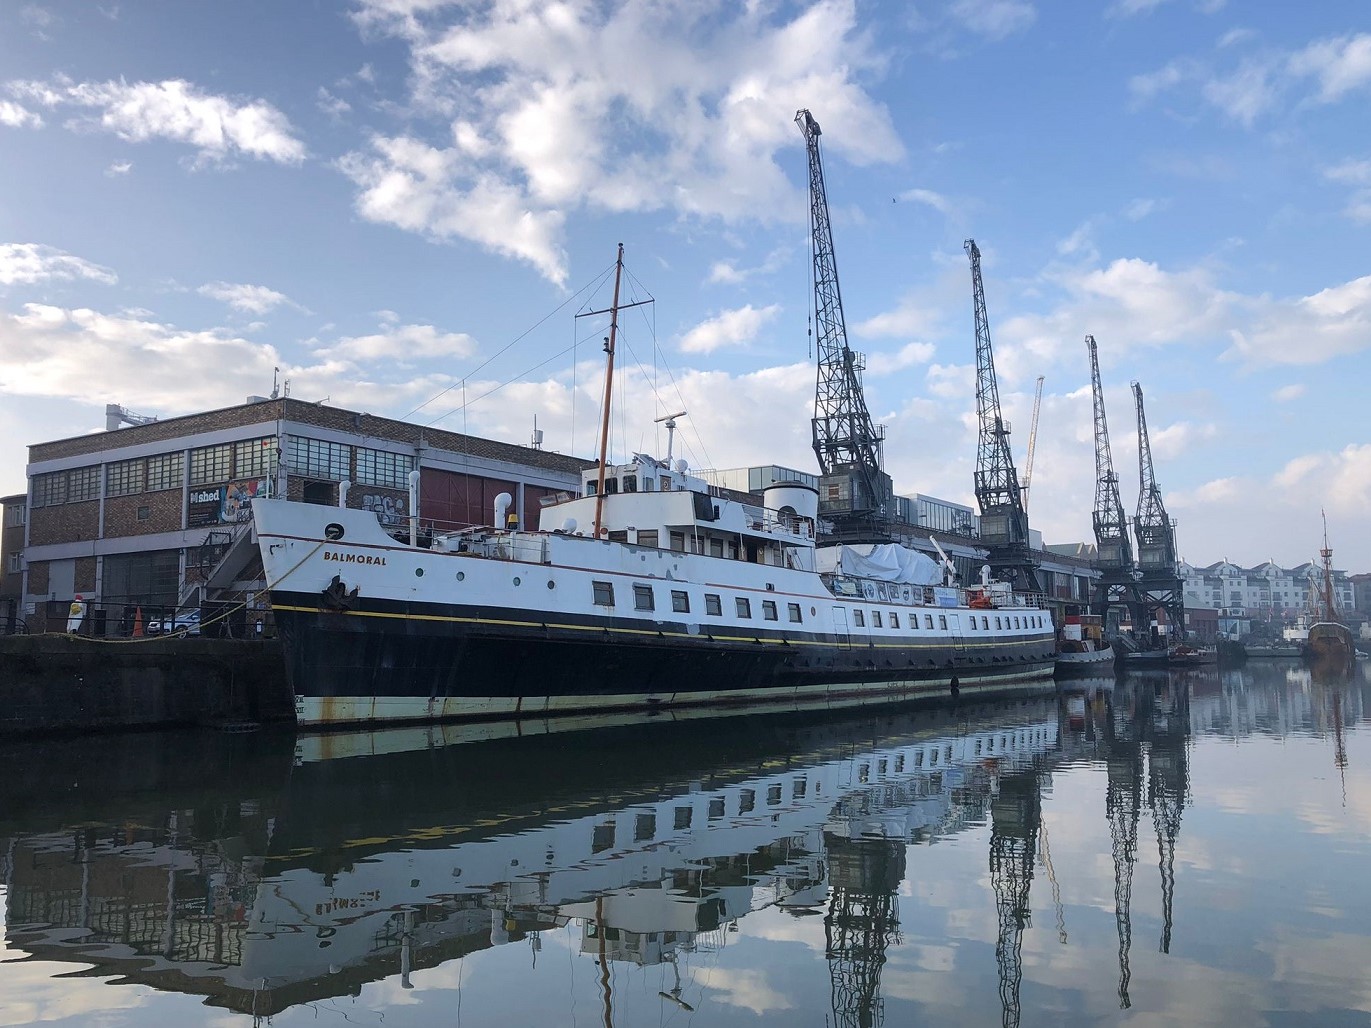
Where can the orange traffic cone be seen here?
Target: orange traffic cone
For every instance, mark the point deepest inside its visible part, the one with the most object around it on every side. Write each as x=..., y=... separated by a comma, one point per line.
x=138, y=623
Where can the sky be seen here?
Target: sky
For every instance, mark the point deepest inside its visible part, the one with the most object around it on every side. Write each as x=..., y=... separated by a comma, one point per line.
x=402, y=205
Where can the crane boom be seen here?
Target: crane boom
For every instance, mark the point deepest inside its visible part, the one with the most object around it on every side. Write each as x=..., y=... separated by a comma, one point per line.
x=1156, y=537
x=1004, y=522
x=854, y=489
x=1032, y=442
x=1111, y=524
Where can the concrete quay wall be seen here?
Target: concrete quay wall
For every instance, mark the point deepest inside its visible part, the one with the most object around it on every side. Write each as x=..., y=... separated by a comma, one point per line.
x=60, y=684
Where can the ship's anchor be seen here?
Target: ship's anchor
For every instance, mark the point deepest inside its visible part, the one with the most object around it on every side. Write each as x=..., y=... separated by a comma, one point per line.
x=336, y=596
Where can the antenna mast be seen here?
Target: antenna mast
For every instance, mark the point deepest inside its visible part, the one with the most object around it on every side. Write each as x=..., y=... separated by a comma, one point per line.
x=854, y=492
x=1004, y=521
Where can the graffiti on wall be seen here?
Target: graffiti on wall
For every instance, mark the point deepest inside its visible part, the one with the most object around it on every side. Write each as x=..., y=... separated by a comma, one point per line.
x=389, y=510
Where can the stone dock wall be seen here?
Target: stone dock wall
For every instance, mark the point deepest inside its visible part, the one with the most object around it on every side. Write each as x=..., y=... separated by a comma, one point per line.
x=63, y=684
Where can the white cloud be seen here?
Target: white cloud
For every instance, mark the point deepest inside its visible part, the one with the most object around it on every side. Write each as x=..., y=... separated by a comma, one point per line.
x=729, y=328
x=728, y=272
x=1357, y=173
x=1140, y=208
x=907, y=356
x=995, y=19
x=633, y=107
x=32, y=262
x=119, y=168
x=1288, y=392
x=402, y=344
x=247, y=298
x=334, y=106
x=216, y=126
x=1341, y=64
x=14, y=116
x=1248, y=92
x=937, y=201
x=1148, y=84
x=1310, y=329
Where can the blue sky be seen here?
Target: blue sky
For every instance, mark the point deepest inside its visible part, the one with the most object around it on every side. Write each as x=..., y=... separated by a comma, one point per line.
x=402, y=203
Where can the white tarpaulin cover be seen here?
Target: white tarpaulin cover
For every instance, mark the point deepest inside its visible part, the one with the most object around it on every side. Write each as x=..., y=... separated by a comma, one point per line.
x=884, y=562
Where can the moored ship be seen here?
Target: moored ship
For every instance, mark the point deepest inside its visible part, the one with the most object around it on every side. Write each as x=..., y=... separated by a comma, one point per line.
x=1328, y=647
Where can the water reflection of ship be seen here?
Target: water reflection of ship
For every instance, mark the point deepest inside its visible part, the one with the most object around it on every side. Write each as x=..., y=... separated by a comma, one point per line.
x=359, y=869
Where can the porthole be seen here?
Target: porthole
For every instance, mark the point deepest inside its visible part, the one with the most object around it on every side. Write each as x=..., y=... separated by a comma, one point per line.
x=551, y=584
x=461, y=575
x=418, y=572
x=516, y=579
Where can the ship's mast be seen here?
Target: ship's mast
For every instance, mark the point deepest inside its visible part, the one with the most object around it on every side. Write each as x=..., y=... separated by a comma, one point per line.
x=1326, y=556
x=609, y=384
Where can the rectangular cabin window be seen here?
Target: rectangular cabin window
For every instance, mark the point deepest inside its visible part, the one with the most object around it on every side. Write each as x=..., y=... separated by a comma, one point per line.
x=859, y=618
x=768, y=610
x=928, y=622
x=875, y=619
x=678, y=542
x=618, y=537
x=630, y=483
x=602, y=838
x=1016, y=623
x=592, y=488
x=647, y=538
x=716, y=547
x=793, y=610
x=611, y=486
x=985, y=623
x=644, y=827
x=713, y=605
x=604, y=593
x=732, y=550
x=682, y=817
x=773, y=795
x=894, y=620
x=642, y=597
x=747, y=801
x=972, y=619
x=942, y=622
x=744, y=606
x=716, y=808
x=680, y=601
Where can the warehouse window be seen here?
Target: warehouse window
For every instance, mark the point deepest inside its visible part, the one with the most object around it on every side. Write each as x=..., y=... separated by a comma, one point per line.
x=83, y=484
x=50, y=489
x=166, y=471
x=210, y=464
x=379, y=467
x=319, y=459
x=124, y=477
x=252, y=457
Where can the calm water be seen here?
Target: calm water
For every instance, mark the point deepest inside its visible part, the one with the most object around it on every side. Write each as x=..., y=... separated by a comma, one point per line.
x=1190, y=849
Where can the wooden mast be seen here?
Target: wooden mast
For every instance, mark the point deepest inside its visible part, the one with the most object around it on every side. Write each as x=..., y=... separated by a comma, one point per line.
x=609, y=383
x=1329, y=612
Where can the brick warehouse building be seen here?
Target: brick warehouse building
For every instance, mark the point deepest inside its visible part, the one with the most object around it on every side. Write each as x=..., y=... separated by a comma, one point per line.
x=154, y=515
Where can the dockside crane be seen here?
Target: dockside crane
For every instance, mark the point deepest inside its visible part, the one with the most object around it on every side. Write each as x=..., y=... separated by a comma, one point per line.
x=1004, y=521
x=1158, y=578
x=855, y=493
x=1117, y=585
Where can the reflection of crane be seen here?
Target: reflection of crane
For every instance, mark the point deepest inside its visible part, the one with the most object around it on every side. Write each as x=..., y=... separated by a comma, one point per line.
x=1015, y=814
x=1161, y=585
x=1114, y=552
x=862, y=921
x=1168, y=781
x=1045, y=854
x=1004, y=522
x=1122, y=807
x=854, y=493
x=1032, y=443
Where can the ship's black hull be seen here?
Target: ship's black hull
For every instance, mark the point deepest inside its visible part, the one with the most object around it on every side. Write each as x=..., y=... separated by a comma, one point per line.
x=502, y=658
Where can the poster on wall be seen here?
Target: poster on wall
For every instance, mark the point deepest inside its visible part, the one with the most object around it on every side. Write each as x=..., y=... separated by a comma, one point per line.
x=204, y=505
x=238, y=497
